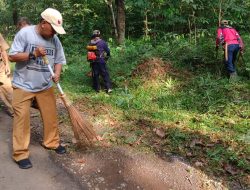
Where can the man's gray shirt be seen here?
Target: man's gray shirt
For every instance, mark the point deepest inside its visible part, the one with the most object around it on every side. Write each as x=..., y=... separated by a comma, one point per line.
x=34, y=75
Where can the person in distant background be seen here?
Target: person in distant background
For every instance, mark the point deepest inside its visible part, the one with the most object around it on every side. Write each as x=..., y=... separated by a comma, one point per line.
x=228, y=37
x=22, y=22
x=6, y=89
x=98, y=64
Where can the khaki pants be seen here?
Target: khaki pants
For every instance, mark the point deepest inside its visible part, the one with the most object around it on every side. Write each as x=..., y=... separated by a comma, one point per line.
x=21, y=124
x=6, y=91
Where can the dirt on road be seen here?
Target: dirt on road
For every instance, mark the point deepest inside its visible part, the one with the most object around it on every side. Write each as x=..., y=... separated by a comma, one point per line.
x=96, y=168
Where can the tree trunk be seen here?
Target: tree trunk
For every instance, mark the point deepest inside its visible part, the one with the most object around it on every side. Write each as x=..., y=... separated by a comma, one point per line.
x=190, y=30
x=120, y=20
x=220, y=12
x=109, y=3
x=14, y=12
x=15, y=16
x=146, y=29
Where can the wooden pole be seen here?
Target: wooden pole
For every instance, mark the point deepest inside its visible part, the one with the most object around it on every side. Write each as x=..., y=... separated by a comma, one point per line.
x=109, y=3
x=220, y=12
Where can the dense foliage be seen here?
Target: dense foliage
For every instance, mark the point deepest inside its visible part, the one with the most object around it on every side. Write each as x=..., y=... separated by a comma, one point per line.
x=204, y=117
x=151, y=18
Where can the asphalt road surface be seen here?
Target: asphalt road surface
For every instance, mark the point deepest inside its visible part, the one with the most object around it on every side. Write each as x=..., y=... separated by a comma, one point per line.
x=44, y=175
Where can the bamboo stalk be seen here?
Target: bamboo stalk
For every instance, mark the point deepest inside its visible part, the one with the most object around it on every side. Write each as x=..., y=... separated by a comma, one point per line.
x=220, y=12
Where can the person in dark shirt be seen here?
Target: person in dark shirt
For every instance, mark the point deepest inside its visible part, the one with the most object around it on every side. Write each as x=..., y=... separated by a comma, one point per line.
x=98, y=65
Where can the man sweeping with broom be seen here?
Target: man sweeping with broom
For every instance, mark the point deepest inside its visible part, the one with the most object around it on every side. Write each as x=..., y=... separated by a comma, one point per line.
x=32, y=79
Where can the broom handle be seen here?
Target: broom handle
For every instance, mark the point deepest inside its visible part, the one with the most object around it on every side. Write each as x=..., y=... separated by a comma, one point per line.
x=45, y=59
x=57, y=84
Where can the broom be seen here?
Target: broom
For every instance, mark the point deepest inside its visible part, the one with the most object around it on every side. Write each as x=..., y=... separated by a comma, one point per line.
x=81, y=127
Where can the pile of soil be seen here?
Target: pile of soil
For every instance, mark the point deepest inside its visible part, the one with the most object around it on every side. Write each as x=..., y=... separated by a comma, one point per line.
x=152, y=69
x=155, y=68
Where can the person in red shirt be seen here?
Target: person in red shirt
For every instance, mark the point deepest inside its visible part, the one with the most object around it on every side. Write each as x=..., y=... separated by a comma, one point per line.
x=230, y=39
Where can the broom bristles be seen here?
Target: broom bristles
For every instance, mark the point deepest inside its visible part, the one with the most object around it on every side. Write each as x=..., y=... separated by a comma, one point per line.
x=81, y=127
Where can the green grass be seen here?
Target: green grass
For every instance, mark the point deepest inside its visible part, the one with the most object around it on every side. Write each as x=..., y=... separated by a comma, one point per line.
x=203, y=106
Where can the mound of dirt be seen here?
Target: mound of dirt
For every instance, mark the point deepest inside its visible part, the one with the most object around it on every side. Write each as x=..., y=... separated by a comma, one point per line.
x=155, y=68
x=152, y=69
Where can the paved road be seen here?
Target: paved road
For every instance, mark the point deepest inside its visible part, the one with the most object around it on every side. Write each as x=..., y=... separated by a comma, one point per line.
x=44, y=175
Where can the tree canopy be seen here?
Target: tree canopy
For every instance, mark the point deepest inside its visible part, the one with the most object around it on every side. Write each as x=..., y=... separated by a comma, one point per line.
x=142, y=18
